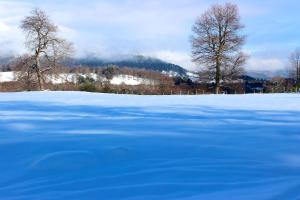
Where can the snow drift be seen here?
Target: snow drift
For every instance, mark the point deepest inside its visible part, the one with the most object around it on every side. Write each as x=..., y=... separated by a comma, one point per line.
x=71, y=145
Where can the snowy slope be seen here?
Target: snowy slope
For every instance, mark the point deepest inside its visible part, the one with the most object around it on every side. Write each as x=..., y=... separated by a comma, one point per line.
x=72, y=78
x=72, y=145
x=130, y=80
x=7, y=76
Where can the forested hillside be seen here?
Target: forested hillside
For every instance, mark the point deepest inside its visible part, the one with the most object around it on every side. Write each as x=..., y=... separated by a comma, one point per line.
x=137, y=62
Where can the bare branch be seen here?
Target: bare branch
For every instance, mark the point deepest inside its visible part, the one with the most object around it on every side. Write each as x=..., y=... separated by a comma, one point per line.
x=294, y=69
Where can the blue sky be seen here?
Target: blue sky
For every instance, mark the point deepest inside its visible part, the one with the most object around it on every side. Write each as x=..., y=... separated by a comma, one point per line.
x=159, y=28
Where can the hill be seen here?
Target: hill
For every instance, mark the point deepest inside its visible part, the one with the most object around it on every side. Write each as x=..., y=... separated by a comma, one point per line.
x=136, y=62
x=267, y=74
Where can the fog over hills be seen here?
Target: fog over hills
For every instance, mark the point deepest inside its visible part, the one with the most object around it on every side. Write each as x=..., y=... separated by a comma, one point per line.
x=267, y=74
x=145, y=63
x=136, y=62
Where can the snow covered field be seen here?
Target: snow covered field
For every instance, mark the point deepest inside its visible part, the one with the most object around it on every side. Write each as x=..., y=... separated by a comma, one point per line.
x=7, y=77
x=72, y=78
x=72, y=145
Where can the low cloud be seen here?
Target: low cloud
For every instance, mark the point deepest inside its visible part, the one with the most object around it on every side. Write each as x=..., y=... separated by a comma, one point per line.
x=265, y=64
x=11, y=39
x=180, y=58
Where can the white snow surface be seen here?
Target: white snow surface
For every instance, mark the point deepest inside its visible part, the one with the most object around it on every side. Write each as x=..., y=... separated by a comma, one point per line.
x=287, y=102
x=130, y=80
x=7, y=76
x=121, y=79
x=74, y=145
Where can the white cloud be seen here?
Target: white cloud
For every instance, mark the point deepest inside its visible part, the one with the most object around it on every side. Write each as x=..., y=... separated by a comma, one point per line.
x=11, y=39
x=68, y=32
x=11, y=36
x=180, y=58
x=4, y=27
x=264, y=64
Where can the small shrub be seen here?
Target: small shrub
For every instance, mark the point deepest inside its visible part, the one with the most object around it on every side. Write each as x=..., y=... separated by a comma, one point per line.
x=106, y=89
x=110, y=72
x=85, y=80
x=88, y=87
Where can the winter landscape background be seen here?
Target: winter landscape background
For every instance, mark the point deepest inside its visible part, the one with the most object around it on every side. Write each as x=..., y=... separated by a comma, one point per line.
x=149, y=100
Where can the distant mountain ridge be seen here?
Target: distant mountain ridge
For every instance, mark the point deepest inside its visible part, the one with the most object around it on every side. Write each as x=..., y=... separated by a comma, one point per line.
x=136, y=62
x=146, y=63
x=266, y=74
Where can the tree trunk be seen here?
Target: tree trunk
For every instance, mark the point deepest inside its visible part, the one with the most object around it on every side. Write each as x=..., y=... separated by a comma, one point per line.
x=218, y=77
x=38, y=72
x=298, y=74
x=40, y=80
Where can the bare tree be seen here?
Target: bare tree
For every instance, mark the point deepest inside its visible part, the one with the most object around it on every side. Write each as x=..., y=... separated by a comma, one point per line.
x=24, y=72
x=217, y=42
x=295, y=66
x=46, y=48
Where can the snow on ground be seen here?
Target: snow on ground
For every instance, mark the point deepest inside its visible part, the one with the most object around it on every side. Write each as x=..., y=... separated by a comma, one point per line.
x=62, y=78
x=72, y=78
x=7, y=76
x=72, y=145
x=130, y=80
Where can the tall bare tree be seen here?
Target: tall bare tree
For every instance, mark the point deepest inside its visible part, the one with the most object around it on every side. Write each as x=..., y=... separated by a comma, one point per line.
x=46, y=48
x=217, y=42
x=295, y=66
